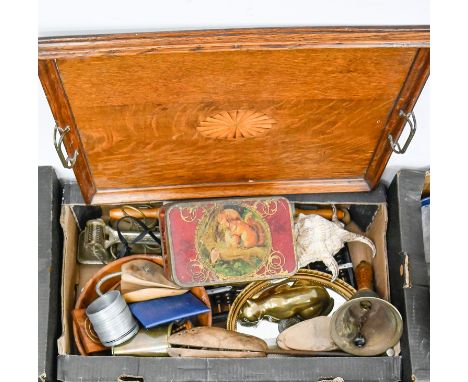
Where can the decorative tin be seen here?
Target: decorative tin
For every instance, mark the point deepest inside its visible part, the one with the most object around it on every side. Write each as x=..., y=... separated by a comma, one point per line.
x=228, y=241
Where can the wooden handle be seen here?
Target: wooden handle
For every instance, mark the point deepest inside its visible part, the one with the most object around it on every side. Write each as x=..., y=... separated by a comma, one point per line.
x=326, y=213
x=118, y=213
x=364, y=275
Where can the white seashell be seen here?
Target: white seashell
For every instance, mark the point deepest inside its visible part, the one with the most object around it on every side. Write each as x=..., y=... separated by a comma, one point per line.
x=318, y=239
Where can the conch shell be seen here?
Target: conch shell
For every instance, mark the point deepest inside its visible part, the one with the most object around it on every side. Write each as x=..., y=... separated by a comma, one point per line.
x=318, y=239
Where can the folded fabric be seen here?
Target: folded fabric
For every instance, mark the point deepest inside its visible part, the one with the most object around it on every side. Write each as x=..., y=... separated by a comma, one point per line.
x=160, y=311
x=144, y=280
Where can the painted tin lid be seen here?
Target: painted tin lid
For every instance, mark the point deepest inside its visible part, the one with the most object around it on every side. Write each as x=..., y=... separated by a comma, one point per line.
x=229, y=241
x=242, y=112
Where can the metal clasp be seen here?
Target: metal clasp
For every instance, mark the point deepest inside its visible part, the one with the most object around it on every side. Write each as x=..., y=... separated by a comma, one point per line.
x=411, y=120
x=66, y=162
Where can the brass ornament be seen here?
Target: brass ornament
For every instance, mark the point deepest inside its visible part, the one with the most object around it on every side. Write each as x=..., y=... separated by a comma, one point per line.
x=236, y=124
x=283, y=301
x=366, y=325
x=310, y=277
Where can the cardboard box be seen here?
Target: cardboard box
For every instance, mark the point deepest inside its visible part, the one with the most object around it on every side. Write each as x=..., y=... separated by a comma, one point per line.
x=73, y=367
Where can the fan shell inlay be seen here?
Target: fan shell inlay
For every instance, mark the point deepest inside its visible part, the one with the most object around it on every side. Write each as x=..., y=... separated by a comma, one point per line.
x=236, y=124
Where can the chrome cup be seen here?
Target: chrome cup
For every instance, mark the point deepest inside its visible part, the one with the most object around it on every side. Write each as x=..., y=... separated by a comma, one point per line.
x=111, y=318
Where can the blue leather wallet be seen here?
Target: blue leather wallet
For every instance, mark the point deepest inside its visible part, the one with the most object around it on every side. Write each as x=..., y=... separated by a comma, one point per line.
x=163, y=310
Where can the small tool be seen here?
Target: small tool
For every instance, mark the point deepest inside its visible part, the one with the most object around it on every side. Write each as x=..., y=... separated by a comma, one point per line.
x=97, y=237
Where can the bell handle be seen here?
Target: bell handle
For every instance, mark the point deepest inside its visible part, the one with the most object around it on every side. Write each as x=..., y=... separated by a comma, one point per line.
x=364, y=275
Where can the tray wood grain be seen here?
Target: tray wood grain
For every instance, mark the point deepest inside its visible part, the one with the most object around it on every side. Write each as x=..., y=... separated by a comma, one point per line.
x=141, y=108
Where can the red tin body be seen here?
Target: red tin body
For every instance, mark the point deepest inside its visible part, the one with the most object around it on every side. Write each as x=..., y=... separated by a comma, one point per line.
x=228, y=241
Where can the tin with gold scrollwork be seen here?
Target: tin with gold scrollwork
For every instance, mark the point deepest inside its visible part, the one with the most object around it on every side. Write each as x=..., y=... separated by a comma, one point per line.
x=228, y=241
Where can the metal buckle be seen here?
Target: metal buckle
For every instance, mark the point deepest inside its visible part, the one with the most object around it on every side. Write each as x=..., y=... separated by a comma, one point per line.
x=411, y=120
x=66, y=162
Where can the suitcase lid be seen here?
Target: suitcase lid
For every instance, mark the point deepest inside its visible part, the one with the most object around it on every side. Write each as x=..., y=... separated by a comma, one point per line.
x=195, y=114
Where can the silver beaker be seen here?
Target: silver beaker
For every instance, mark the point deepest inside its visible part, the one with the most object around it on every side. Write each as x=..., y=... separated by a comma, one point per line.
x=110, y=316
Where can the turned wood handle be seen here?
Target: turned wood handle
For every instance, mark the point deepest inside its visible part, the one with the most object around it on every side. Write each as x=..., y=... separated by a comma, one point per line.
x=364, y=275
x=118, y=213
x=326, y=213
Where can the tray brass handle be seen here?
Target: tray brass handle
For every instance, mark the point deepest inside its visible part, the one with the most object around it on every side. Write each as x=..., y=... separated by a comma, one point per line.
x=411, y=120
x=67, y=162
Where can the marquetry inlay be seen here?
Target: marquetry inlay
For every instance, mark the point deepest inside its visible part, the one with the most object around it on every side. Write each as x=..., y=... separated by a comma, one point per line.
x=236, y=124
